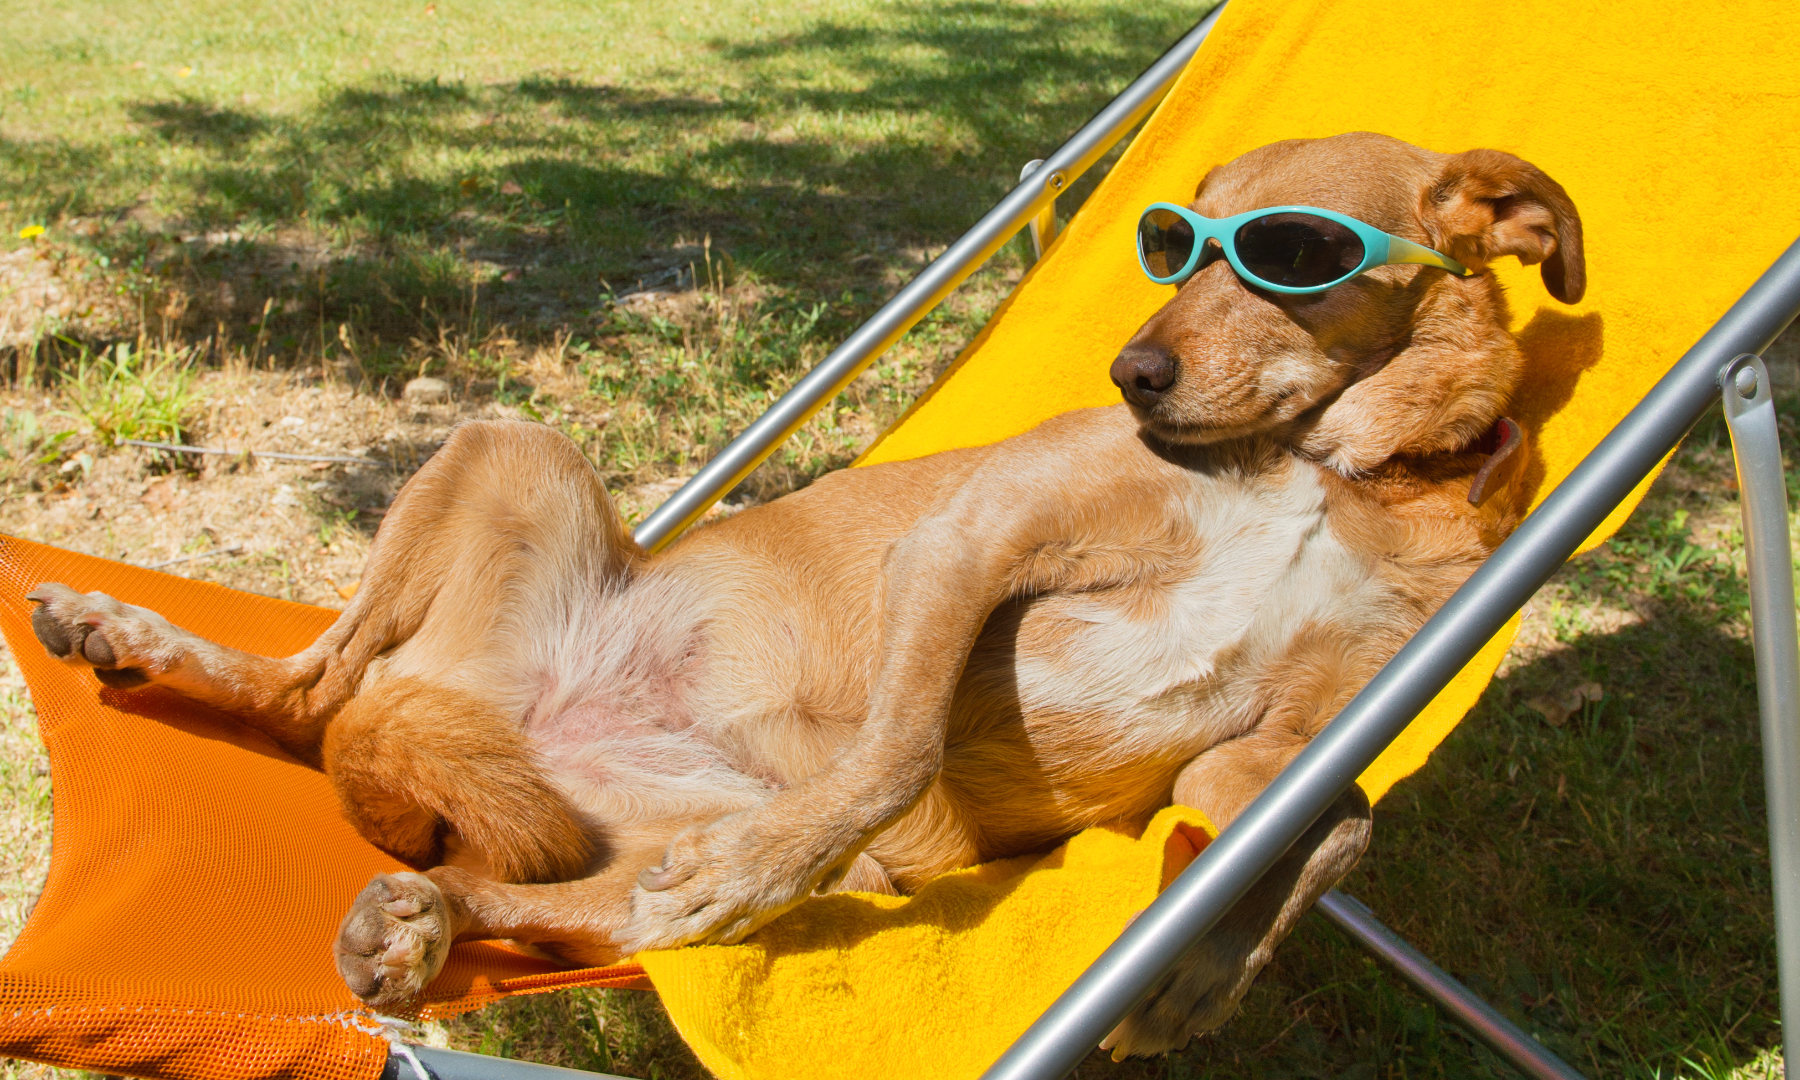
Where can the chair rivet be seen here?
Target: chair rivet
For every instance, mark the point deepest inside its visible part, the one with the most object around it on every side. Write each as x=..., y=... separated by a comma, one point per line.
x=1746, y=381
x=1057, y=180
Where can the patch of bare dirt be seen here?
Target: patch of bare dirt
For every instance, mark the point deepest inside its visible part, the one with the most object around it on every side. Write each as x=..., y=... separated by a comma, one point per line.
x=45, y=290
x=296, y=529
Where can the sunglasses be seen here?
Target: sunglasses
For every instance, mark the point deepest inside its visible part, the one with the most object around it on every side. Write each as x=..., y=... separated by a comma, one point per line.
x=1284, y=249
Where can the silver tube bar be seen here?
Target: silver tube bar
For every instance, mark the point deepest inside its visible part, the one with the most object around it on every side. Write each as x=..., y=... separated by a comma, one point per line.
x=459, y=1065
x=910, y=304
x=1482, y=1020
x=1762, y=493
x=1150, y=947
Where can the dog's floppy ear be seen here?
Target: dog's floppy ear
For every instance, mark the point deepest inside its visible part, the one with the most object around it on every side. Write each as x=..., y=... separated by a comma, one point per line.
x=1488, y=203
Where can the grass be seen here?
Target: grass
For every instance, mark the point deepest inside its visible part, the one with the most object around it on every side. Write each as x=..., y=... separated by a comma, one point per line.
x=132, y=393
x=640, y=223
x=23, y=441
x=385, y=193
x=434, y=190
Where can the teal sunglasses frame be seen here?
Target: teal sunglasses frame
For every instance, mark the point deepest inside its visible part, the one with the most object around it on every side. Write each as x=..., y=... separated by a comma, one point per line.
x=1379, y=248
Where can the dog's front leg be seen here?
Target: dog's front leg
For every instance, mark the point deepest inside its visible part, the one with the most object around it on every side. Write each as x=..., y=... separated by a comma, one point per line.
x=722, y=880
x=1006, y=518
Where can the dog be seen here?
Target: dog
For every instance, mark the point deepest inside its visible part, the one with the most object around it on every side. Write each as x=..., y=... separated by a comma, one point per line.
x=913, y=667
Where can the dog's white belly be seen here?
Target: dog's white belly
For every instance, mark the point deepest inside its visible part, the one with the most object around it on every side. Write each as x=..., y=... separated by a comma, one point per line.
x=1165, y=671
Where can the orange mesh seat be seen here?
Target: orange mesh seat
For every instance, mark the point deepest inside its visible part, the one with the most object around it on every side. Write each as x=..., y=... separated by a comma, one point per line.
x=198, y=872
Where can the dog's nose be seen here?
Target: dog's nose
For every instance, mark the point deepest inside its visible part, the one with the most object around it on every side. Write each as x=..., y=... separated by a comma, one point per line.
x=1143, y=373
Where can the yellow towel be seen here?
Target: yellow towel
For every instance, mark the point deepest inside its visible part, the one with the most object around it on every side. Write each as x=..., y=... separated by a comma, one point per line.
x=868, y=963
x=1675, y=132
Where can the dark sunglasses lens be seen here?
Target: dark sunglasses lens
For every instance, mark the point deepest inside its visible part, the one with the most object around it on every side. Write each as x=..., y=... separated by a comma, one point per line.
x=1167, y=242
x=1300, y=251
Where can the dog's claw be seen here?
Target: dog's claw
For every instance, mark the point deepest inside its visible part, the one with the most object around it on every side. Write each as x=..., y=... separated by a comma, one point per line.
x=658, y=878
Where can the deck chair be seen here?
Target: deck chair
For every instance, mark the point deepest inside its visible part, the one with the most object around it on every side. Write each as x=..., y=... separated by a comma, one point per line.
x=176, y=829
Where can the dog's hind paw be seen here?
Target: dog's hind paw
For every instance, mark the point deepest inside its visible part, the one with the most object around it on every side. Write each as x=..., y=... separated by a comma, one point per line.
x=395, y=939
x=124, y=645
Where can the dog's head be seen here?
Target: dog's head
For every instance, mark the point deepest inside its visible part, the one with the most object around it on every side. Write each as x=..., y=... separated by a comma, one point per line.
x=1400, y=360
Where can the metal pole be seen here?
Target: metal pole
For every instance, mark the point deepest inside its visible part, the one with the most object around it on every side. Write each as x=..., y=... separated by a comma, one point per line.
x=457, y=1065
x=1482, y=1020
x=923, y=293
x=1762, y=491
x=1150, y=947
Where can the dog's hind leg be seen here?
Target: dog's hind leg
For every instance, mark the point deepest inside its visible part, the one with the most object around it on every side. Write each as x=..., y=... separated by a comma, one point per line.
x=484, y=555
x=505, y=520
x=490, y=553
x=415, y=763
x=397, y=934
x=395, y=937
x=128, y=646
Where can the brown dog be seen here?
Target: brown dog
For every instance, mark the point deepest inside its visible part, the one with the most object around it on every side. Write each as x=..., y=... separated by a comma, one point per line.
x=914, y=667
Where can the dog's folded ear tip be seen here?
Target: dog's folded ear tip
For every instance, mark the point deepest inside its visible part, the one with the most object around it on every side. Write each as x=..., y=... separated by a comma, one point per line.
x=1565, y=286
x=1508, y=440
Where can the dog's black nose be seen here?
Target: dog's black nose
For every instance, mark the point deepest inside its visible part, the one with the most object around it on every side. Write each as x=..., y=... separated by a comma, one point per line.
x=1143, y=373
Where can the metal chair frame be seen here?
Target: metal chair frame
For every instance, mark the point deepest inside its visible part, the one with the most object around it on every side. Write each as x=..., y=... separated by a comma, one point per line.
x=1723, y=365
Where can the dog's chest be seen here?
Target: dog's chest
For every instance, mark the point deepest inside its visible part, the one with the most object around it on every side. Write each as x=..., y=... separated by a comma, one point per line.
x=1244, y=566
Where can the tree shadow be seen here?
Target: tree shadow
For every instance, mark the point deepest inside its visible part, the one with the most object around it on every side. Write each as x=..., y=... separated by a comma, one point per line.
x=399, y=204
x=198, y=123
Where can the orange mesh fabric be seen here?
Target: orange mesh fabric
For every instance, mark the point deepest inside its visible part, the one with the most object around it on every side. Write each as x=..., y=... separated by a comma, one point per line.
x=198, y=873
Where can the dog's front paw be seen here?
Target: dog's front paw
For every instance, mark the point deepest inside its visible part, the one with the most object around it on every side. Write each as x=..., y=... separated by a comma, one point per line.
x=395, y=939
x=721, y=882
x=124, y=645
x=1199, y=995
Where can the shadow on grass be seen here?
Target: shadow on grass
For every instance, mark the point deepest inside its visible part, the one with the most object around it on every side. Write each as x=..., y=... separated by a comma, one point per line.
x=197, y=123
x=820, y=157
x=1605, y=876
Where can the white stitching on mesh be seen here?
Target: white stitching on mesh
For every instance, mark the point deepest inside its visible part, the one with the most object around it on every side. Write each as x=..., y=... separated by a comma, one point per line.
x=390, y=1028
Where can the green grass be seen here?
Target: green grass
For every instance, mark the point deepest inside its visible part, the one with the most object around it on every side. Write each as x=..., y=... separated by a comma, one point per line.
x=132, y=393
x=415, y=174
x=366, y=193
x=383, y=192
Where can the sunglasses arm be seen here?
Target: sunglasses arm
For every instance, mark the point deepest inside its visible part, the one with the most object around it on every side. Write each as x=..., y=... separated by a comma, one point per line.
x=1401, y=250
